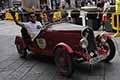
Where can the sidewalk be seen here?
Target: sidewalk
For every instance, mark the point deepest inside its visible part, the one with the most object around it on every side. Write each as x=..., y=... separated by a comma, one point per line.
x=9, y=28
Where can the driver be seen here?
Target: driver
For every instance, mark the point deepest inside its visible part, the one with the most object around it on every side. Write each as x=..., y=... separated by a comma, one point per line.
x=33, y=26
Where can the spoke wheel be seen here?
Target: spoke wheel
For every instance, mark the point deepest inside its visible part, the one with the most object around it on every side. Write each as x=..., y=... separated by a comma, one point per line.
x=63, y=62
x=110, y=47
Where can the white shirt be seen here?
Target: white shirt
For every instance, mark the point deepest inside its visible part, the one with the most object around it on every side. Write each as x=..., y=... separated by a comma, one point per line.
x=33, y=28
x=106, y=6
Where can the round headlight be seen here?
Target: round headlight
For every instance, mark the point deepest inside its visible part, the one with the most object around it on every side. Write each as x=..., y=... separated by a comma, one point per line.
x=84, y=42
x=103, y=37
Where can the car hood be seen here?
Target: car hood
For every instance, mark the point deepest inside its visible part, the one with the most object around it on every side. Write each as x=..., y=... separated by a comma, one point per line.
x=66, y=27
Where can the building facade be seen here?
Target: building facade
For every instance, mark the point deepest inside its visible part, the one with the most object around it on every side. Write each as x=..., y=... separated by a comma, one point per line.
x=53, y=4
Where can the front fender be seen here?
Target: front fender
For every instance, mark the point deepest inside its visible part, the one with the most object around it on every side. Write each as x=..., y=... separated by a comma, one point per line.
x=20, y=41
x=64, y=45
x=104, y=35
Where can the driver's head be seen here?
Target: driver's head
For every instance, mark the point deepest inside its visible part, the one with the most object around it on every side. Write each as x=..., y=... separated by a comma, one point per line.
x=32, y=17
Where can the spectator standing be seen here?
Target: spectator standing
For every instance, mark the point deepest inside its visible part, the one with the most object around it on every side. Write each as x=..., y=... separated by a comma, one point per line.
x=72, y=3
x=78, y=3
x=105, y=17
x=100, y=6
x=89, y=2
x=83, y=3
x=105, y=10
x=94, y=2
x=68, y=3
x=2, y=4
x=53, y=4
x=62, y=4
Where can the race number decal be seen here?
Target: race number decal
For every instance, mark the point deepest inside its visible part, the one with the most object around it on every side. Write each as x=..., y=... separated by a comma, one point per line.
x=41, y=43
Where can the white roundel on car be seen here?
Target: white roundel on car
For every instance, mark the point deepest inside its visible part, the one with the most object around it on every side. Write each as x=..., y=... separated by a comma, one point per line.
x=41, y=43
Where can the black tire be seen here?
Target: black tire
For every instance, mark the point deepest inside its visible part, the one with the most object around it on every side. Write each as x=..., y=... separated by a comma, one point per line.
x=66, y=67
x=22, y=52
x=111, y=52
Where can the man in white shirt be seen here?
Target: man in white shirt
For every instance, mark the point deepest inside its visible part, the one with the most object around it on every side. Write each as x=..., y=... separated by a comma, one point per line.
x=33, y=27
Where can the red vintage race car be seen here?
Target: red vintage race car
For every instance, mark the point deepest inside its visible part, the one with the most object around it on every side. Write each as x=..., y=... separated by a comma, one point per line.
x=68, y=43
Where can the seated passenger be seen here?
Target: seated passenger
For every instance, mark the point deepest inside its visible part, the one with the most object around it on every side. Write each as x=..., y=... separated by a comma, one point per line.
x=33, y=26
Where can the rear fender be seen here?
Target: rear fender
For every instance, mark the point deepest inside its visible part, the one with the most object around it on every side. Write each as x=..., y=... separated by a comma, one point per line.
x=20, y=41
x=65, y=46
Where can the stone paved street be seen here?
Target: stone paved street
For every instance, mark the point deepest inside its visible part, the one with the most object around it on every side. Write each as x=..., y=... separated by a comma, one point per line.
x=12, y=67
